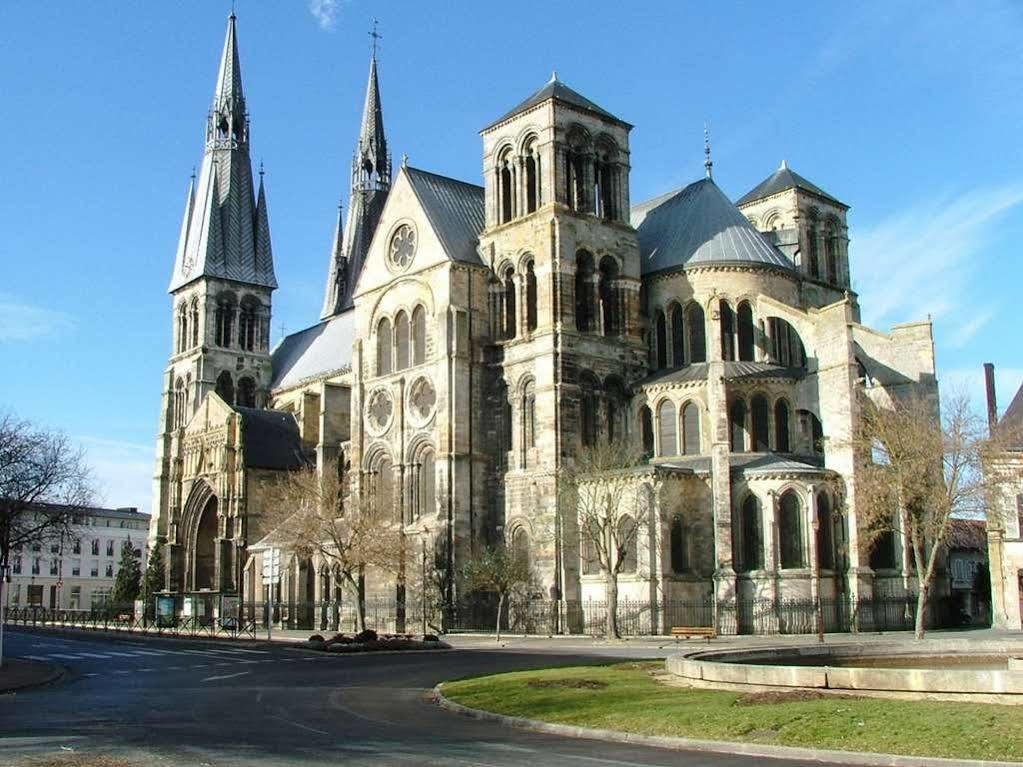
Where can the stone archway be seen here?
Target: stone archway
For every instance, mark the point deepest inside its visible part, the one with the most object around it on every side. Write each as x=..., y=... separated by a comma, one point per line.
x=205, y=547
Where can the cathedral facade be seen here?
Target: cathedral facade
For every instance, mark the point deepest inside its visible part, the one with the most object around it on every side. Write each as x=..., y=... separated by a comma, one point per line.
x=474, y=338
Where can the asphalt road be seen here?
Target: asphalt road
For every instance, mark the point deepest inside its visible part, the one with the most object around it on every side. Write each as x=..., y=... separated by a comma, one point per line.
x=159, y=701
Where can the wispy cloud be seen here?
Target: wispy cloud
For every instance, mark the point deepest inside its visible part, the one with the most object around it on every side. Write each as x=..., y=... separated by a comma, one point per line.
x=916, y=261
x=325, y=12
x=966, y=331
x=20, y=321
x=123, y=471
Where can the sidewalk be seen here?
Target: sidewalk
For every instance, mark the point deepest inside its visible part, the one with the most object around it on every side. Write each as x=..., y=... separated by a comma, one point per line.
x=18, y=674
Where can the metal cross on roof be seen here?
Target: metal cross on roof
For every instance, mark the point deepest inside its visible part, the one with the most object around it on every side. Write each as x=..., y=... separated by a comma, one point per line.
x=376, y=36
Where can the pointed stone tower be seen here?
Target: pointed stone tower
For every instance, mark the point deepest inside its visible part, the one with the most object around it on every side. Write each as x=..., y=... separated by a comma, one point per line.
x=370, y=184
x=221, y=286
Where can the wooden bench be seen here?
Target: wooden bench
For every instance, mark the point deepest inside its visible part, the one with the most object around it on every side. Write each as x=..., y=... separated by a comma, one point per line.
x=707, y=632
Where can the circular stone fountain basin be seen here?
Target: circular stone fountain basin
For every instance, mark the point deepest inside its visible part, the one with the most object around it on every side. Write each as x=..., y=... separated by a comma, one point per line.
x=960, y=667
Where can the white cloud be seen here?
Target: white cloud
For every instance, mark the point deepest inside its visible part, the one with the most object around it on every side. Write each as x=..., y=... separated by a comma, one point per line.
x=325, y=12
x=917, y=261
x=20, y=321
x=123, y=471
x=965, y=333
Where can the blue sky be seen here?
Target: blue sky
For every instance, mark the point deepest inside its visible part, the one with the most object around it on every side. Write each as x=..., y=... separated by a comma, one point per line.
x=910, y=112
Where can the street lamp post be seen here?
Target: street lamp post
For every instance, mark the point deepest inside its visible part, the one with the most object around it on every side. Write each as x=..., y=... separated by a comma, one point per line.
x=815, y=571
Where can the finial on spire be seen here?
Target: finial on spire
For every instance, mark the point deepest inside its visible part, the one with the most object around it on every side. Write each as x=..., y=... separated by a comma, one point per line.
x=376, y=37
x=404, y=160
x=554, y=76
x=261, y=171
x=708, y=164
x=193, y=174
x=232, y=16
x=784, y=165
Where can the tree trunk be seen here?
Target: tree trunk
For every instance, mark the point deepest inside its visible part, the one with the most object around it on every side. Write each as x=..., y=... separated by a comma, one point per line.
x=611, y=600
x=921, y=608
x=360, y=603
x=500, y=606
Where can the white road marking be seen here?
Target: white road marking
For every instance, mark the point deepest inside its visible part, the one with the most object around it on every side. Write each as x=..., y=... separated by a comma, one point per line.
x=38, y=657
x=95, y=654
x=64, y=657
x=301, y=726
x=228, y=676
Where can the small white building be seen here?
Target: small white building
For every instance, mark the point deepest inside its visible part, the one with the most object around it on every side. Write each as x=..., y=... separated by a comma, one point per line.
x=1005, y=521
x=77, y=573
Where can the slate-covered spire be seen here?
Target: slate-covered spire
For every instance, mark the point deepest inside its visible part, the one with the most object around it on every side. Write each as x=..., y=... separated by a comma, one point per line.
x=371, y=182
x=226, y=233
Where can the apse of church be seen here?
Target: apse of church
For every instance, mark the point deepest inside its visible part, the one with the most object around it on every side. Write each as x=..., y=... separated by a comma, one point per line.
x=473, y=339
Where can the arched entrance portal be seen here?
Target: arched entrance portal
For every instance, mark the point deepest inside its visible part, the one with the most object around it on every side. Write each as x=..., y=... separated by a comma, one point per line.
x=205, y=547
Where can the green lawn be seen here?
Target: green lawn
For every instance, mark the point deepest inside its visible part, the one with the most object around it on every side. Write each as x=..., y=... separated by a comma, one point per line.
x=627, y=697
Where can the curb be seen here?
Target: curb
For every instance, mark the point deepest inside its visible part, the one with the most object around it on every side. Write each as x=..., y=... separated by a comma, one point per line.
x=57, y=673
x=864, y=759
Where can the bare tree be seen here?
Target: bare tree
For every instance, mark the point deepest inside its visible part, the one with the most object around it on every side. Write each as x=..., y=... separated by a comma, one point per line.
x=501, y=570
x=313, y=512
x=612, y=507
x=45, y=485
x=919, y=473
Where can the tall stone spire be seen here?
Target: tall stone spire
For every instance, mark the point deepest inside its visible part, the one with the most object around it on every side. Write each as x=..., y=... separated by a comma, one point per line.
x=225, y=234
x=370, y=184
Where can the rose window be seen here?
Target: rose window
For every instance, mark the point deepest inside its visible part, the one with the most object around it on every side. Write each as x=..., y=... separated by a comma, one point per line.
x=422, y=399
x=403, y=246
x=379, y=410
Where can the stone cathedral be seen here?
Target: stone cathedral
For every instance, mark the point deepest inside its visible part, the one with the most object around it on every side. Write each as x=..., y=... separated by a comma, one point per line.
x=474, y=338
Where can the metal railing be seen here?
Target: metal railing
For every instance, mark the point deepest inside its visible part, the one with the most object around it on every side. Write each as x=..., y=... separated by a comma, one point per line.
x=123, y=618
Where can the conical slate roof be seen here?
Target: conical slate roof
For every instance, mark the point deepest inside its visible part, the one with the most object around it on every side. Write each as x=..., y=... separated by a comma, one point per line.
x=782, y=179
x=698, y=225
x=557, y=90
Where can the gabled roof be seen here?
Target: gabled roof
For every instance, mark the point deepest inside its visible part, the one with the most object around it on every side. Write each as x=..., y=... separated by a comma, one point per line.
x=698, y=225
x=315, y=352
x=454, y=209
x=557, y=90
x=782, y=179
x=270, y=439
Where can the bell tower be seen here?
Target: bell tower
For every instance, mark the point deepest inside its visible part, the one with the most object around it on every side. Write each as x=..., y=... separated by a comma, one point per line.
x=564, y=304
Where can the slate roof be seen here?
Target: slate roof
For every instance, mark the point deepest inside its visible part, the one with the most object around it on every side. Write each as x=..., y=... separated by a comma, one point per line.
x=782, y=179
x=1012, y=421
x=698, y=225
x=324, y=348
x=455, y=211
x=270, y=439
x=557, y=90
x=733, y=371
x=771, y=463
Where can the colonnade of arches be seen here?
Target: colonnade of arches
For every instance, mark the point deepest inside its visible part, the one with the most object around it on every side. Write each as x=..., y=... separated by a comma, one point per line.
x=516, y=421
x=243, y=395
x=594, y=175
x=407, y=491
x=518, y=179
x=599, y=295
x=792, y=522
x=513, y=300
x=603, y=408
x=401, y=344
x=237, y=324
x=671, y=423
x=824, y=245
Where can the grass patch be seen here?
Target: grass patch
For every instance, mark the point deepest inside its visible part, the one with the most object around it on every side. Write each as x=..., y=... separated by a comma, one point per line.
x=626, y=697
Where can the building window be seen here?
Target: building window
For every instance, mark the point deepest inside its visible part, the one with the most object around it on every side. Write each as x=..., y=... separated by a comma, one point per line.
x=697, y=333
x=608, y=290
x=831, y=255
x=418, y=336
x=75, y=601
x=182, y=329
x=660, y=341
x=16, y=565
x=588, y=410
x=813, y=254
x=666, y=428
x=95, y=547
x=506, y=181
x=94, y=570
x=401, y=341
x=110, y=548
x=246, y=392
x=678, y=335
x=76, y=568
x=790, y=530
x=786, y=345
x=76, y=546
x=528, y=417
x=691, y=429
x=583, y=291
x=530, y=297
x=532, y=168
x=737, y=430
x=759, y=416
x=36, y=564
x=224, y=321
x=627, y=544
x=884, y=551
x=646, y=425
x=747, y=345
x=1019, y=514
x=510, y=315
x=520, y=545
x=225, y=387
x=825, y=533
x=426, y=492
x=384, y=347
x=727, y=331
x=195, y=322
x=679, y=548
x=751, y=537
x=781, y=427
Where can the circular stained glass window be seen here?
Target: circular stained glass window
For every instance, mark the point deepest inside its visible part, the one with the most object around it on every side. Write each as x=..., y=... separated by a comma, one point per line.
x=403, y=246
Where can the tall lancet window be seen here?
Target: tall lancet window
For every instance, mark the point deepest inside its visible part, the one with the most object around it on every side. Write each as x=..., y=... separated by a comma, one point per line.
x=418, y=336
x=384, y=347
x=401, y=341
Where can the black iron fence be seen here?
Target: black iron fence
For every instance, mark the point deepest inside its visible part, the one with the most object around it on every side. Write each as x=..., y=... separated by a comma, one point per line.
x=538, y=617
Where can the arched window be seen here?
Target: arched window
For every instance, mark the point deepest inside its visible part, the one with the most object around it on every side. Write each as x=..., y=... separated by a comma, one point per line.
x=383, y=347
x=884, y=551
x=384, y=488
x=195, y=322
x=646, y=427
x=530, y=296
x=679, y=546
x=812, y=425
x=660, y=341
x=616, y=400
x=528, y=416
x=247, y=392
x=583, y=291
x=520, y=545
x=691, y=429
x=697, y=333
x=589, y=556
x=825, y=533
x=225, y=387
x=831, y=254
x=790, y=530
x=627, y=544
x=426, y=486
x=751, y=536
x=746, y=342
x=604, y=175
x=786, y=345
x=509, y=303
x=759, y=417
x=532, y=168
x=588, y=409
x=813, y=254
x=666, y=428
x=727, y=331
x=248, y=321
x=224, y=321
x=678, y=336
x=575, y=165
x=505, y=178
x=178, y=408
x=182, y=334
x=418, y=336
x=781, y=427
x=401, y=341
x=737, y=426
x=608, y=290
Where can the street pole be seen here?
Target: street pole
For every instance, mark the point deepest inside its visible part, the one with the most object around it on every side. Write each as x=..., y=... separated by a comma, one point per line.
x=269, y=612
x=815, y=569
x=4, y=580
